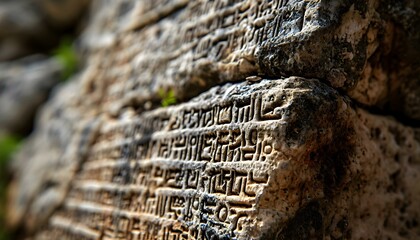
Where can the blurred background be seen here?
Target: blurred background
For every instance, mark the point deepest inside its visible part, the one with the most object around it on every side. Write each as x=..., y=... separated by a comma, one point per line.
x=37, y=52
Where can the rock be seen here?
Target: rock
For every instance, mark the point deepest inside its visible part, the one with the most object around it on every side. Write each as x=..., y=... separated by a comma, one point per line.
x=240, y=162
x=62, y=132
x=25, y=84
x=190, y=47
x=299, y=145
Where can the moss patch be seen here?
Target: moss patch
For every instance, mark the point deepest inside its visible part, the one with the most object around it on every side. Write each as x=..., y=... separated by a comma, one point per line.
x=167, y=97
x=8, y=145
x=67, y=56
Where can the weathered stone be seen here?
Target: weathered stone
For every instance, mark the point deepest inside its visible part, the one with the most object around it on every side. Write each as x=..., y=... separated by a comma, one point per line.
x=25, y=85
x=279, y=159
x=191, y=46
x=47, y=162
x=43, y=169
x=291, y=158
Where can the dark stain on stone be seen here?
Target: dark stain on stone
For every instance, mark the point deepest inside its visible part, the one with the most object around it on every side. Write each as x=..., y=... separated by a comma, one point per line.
x=319, y=112
x=210, y=233
x=307, y=224
x=334, y=158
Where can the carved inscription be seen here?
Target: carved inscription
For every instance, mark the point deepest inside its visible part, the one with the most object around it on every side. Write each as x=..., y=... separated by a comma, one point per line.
x=186, y=172
x=204, y=38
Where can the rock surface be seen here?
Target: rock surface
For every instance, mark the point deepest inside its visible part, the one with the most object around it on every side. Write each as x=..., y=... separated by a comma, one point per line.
x=58, y=145
x=240, y=162
x=366, y=48
x=270, y=157
x=24, y=85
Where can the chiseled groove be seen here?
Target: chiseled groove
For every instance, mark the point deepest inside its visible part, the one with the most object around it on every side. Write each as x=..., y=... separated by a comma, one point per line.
x=98, y=185
x=187, y=164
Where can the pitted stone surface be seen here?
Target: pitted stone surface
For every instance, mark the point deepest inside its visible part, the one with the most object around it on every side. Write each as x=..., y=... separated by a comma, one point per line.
x=240, y=162
x=48, y=160
x=288, y=158
x=190, y=46
x=198, y=170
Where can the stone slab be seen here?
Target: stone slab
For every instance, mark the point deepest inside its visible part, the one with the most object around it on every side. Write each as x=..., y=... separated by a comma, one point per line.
x=279, y=159
x=190, y=46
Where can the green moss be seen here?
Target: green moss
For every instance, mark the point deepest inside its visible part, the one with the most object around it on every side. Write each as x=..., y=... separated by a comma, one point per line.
x=4, y=234
x=8, y=145
x=167, y=97
x=67, y=56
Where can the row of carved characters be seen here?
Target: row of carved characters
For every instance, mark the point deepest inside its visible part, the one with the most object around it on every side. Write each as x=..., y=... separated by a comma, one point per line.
x=192, y=211
x=204, y=33
x=244, y=23
x=258, y=107
x=249, y=142
x=240, y=182
x=199, y=33
x=199, y=214
x=219, y=146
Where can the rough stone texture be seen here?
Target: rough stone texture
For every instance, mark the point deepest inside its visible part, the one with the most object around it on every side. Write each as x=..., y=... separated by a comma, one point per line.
x=200, y=168
x=240, y=162
x=48, y=160
x=24, y=85
x=191, y=46
x=280, y=158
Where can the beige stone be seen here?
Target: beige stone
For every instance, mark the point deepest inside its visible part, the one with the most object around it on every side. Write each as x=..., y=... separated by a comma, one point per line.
x=189, y=46
x=269, y=157
x=279, y=159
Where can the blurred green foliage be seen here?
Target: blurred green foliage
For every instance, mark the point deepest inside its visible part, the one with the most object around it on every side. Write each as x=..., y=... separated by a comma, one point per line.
x=8, y=145
x=167, y=97
x=67, y=56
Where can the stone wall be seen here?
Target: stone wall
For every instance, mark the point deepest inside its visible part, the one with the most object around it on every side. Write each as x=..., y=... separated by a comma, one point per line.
x=293, y=120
